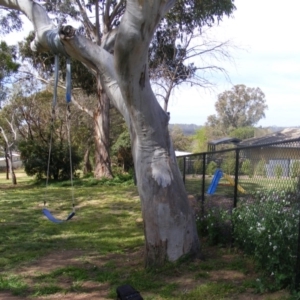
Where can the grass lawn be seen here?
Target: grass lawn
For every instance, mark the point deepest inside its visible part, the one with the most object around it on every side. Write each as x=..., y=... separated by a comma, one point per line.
x=194, y=184
x=101, y=248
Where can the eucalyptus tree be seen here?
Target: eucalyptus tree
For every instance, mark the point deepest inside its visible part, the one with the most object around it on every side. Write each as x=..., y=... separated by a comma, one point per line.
x=241, y=106
x=8, y=66
x=121, y=60
x=35, y=126
x=182, y=49
x=97, y=108
x=180, y=57
x=9, y=136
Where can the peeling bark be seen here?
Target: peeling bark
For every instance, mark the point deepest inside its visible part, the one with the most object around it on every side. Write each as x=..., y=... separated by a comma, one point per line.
x=87, y=167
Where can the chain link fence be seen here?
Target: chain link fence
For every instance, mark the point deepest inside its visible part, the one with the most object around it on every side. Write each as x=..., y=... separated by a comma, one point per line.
x=245, y=170
x=226, y=178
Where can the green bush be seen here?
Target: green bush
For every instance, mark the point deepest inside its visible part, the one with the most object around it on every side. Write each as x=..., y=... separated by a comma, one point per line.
x=295, y=169
x=197, y=166
x=261, y=168
x=211, y=168
x=278, y=171
x=228, y=165
x=34, y=156
x=215, y=225
x=267, y=228
x=247, y=168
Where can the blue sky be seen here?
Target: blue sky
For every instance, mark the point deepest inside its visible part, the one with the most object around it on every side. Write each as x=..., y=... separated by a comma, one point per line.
x=268, y=56
x=266, y=33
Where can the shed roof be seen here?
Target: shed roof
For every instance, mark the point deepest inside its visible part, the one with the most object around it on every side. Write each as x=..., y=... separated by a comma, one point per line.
x=225, y=140
x=181, y=153
x=278, y=136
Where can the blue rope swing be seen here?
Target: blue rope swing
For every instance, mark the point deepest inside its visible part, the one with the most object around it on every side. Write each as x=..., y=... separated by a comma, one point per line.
x=45, y=211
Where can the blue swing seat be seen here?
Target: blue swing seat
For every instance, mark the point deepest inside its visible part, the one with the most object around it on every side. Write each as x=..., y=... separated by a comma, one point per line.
x=50, y=217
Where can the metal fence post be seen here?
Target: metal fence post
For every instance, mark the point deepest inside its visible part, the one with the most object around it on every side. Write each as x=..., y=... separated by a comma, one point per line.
x=236, y=179
x=297, y=276
x=203, y=181
x=184, y=166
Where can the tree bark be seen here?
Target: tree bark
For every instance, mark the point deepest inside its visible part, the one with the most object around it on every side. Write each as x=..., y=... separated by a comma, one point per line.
x=6, y=163
x=169, y=224
x=87, y=167
x=11, y=168
x=101, y=137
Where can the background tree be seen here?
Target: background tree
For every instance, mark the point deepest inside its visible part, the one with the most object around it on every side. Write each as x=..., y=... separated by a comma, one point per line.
x=121, y=154
x=32, y=118
x=9, y=136
x=240, y=107
x=178, y=56
x=180, y=141
x=200, y=140
x=243, y=133
x=121, y=61
x=94, y=107
x=8, y=66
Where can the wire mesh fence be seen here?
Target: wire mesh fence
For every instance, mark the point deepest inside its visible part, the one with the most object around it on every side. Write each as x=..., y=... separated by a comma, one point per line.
x=228, y=178
x=245, y=170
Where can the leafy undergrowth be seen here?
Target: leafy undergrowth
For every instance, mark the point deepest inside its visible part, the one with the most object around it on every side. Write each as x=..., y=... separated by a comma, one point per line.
x=102, y=248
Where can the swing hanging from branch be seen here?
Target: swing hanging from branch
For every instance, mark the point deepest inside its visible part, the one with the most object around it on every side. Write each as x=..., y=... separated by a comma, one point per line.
x=46, y=212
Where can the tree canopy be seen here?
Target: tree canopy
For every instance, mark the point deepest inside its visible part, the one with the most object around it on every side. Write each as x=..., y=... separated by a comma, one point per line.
x=8, y=66
x=239, y=107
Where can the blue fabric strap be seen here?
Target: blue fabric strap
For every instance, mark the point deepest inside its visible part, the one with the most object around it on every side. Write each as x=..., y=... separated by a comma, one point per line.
x=56, y=68
x=68, y=81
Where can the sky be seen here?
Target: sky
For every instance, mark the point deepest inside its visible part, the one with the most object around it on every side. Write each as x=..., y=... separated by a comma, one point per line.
x=267, y=55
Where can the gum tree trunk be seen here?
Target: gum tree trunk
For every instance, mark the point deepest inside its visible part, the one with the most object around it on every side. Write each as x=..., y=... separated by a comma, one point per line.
x=169, y=225
x=101, y=136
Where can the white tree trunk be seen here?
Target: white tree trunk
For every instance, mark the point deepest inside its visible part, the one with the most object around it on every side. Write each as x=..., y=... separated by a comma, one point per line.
x=169, y=225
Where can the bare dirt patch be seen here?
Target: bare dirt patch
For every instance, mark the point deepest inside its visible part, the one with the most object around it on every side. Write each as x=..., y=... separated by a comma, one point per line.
x=53, y=261
x=91, y=290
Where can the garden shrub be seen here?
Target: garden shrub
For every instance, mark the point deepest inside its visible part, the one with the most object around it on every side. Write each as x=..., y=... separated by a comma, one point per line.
x=197, y=166
x=211, y=168
x=267, y=228
x=261, y=168
x=278, y=171
x=215, y=225
x=228, y=165
x=247, y=168
x=295, y=169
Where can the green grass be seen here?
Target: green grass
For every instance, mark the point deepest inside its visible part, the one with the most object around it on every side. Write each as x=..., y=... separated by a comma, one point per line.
x=99, y=249
x=259, y=183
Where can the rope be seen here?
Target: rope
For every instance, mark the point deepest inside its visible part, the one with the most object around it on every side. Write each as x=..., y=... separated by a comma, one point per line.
x=54, y=101
x=68, y=118
x=68, y=81
x=68, y=100
x=70, y=154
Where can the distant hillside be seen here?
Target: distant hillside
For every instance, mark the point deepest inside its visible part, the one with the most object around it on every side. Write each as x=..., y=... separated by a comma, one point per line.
x=276, y=128
x=187, y=129
x=190, y=129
